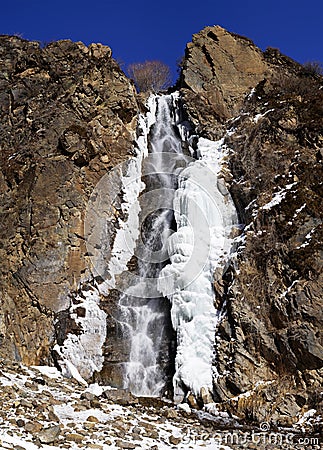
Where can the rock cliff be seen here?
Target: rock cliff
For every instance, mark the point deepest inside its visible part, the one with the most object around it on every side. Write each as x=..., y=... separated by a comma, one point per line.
x=219, y=68
x=270, y=342
x=68, y=114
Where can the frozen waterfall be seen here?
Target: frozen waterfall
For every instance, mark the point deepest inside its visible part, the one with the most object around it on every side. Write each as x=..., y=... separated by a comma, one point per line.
x=177, y=233
x=205, y=214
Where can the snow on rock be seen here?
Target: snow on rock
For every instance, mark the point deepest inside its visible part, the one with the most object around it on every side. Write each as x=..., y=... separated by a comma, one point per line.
x=251, y=392
x=306, y=416
x=309, y=420
x=50, y=372
x=7, y=439
x=80, y=355
x=289, y=289
x=128, y=231
x=251, y=93
x=307, y=239
x=184, y=407
x=205, y=214
x=95, y=389
x=260, y=116
x=278, y=196
x=299, y=210
x=68, y=368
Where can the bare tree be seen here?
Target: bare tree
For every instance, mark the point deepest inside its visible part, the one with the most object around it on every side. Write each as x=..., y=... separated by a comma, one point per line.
x=313, y=68
x=150, y=75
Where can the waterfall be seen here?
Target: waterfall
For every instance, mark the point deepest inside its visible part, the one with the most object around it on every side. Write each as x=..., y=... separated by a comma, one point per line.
x=143, y=312
x=174, y=232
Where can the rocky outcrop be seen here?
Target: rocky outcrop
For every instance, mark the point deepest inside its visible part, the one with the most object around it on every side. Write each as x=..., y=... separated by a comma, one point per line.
x=219, y=69
x=270, y=342
x=68, y=115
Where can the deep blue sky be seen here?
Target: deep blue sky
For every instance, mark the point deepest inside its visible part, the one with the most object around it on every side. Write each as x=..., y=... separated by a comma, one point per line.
x=139, y=30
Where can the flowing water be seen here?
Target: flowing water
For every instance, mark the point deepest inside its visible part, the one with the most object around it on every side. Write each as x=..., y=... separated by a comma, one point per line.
x=143, y=314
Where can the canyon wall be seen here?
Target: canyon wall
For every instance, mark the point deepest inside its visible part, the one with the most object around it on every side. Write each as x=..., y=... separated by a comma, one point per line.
x=68, y=115
x=270, y=340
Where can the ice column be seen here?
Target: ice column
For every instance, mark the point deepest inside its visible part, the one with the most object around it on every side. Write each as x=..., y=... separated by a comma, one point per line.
x=204, y=213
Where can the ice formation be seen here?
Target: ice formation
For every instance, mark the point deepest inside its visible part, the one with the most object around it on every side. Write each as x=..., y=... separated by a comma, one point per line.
x=205, y=214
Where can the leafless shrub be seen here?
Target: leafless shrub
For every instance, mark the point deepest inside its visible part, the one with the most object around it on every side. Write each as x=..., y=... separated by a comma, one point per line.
x=293, y=85
x=150, y=75
x=312, y=68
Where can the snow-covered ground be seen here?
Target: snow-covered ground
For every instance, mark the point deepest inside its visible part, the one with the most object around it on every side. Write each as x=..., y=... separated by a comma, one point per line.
x=42, y=410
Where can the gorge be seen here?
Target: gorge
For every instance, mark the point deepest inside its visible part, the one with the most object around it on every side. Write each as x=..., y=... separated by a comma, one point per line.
x=168, y=244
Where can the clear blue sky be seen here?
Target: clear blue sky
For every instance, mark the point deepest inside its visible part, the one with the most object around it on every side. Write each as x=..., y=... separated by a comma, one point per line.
x=139, y=30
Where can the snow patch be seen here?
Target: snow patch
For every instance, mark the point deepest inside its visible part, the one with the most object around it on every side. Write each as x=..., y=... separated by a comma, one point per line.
x=304, y=418
x=251, y=93
x=260, y=116
x=299, y=210
x=95, y=389
x=81, y=355
x=184, y=407
x=278, y=196
x=66, y=413
x=50, y=372
x=307, y=240
x=289, y=289
x=128, y=231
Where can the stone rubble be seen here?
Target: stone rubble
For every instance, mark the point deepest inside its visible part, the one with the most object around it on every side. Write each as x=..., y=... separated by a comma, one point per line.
x=58, y=413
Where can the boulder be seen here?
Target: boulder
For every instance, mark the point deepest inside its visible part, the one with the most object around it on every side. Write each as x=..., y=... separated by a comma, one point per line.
x=49, y=435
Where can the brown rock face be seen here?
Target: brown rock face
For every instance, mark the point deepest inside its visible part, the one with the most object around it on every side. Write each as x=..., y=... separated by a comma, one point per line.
x=67, y=114
x=220, y=68
x=274, y=287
